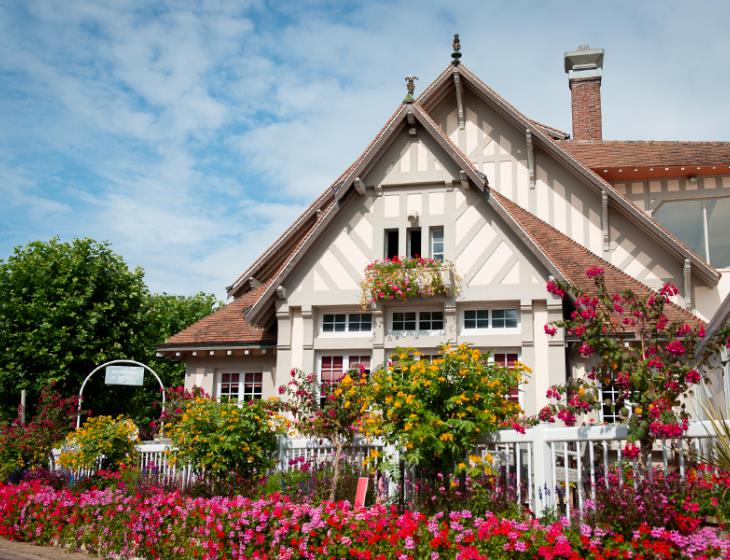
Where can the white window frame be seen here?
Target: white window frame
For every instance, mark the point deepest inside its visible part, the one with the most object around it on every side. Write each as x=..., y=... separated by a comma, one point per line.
x=241, y=384
x=345, y=355
x=417, y=331
x=516, y=351
x=437, y=256
x=705, y=225
x=490, y=329
x=347, y=332
x=610, y=390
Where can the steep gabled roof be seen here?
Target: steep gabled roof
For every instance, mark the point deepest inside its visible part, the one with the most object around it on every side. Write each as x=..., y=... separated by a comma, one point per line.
x=571, y=259
x=222, y=327
x=635, y=153
x=435, y=91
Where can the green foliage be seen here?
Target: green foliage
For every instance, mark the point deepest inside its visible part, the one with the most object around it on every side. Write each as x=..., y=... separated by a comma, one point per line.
x=102, y=442
x=29, y=446
x=224, y=439
x=436, y=412
x=65, y=308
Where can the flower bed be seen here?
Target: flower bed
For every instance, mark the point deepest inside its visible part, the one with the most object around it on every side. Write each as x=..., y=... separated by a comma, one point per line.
x=161, y=524
x=401, y=279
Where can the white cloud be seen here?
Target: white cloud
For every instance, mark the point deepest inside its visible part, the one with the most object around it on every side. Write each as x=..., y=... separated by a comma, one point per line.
x=191, y=134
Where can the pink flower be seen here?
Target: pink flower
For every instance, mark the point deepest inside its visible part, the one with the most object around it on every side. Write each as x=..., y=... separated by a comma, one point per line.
x=693, y=376
x=631, y=451
x=676, y=347
x=594, y=271
x=553, y=288
x=550, y=330
x=585, y=350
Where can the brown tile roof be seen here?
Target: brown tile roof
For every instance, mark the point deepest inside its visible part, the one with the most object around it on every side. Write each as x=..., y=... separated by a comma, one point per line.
x=224, y=326
x=551, y=131
x=572, y=259
x=631, y=153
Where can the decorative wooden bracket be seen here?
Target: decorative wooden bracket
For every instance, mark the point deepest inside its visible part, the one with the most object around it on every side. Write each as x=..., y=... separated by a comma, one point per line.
x=464, y=180
x=411, y=123
x=530, y=157
x=281, y=292
x=687, y=284
x=459, y=99
x=605, y=231
x=359, y=186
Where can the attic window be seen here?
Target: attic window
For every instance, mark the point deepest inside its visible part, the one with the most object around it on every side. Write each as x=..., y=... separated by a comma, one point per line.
x=414, y=243
x=391, y=243
x=702, y=224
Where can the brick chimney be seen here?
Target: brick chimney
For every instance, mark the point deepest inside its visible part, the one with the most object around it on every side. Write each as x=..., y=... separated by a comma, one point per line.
x=584, y=67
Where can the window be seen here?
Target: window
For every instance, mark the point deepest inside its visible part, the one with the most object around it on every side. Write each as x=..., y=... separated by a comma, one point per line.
x=611, y=404
x=236, y=386
x=405, y=321
x=417, y=320
x=414, y=243
x=333, y=368
x=430, y=320
x=346, y=322
x=504, y=318
x=360, y=322
x=391, y=243
x=509, y=360
x=476, y=319
x=229, y=386
x=334, y=322
x=252, y=385
x=703, y=225
x=437, y=244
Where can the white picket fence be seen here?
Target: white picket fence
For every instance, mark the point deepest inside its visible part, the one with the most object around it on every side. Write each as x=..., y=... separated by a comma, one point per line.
x=547, y=467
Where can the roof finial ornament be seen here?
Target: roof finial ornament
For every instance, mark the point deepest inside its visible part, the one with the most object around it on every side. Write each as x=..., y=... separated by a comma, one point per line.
x=411, y=87
x=456, y=55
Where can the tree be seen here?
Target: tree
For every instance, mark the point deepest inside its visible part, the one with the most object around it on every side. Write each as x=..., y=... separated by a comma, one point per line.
x=65, y=308
x=652, y=362
x=331, y=411
x=436, y=412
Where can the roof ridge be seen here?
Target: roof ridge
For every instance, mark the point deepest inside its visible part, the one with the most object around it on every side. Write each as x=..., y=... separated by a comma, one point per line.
x=519, y=214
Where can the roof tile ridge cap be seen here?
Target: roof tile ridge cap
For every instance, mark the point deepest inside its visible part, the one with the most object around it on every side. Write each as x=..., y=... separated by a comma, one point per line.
x=446, y=138
x=635, y=209
x=371, y=145
x=510, y=207
x=496, y=94
x=209, y=317
x=317, y=202
x=427, y=91
x=289, y=258
x=585, y=250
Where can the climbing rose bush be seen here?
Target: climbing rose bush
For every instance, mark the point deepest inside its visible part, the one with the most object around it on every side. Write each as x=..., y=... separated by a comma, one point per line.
x=401, y=279
x=632, y=345
x=167, y=525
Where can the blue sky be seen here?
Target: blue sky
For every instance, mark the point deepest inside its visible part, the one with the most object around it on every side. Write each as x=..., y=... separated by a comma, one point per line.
x=189, y=134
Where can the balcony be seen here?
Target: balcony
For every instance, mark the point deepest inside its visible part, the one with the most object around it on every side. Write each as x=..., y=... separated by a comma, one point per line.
x=403, y=279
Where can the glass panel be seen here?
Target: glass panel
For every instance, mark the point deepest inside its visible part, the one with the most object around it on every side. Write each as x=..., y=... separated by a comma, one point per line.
x=437, y=244
x=391, y=243
x=684, y=219
x=718, y=231
x=430, y=320
x=470, y=319
x=360, y=363
x=414, y=243
x=334, y=323
x=229, y=387
x=359, y=322
x=252, y=385
x=404, y=321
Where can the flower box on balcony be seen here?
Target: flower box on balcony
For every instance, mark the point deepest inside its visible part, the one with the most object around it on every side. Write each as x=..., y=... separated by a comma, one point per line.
x=402, y=279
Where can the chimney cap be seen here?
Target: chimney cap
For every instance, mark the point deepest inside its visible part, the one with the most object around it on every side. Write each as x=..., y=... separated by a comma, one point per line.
x=584, y=62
